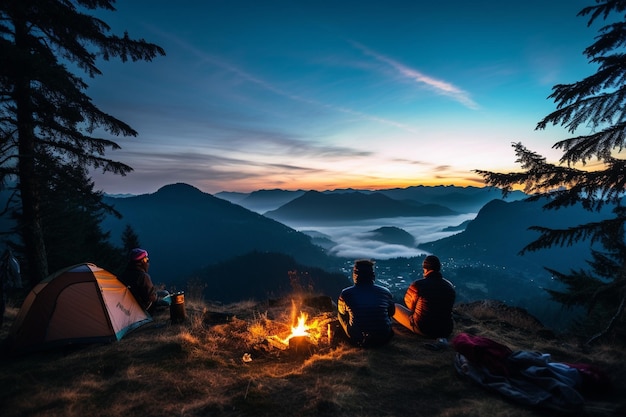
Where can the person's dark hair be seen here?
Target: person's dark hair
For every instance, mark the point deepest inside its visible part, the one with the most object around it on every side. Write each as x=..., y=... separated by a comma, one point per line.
x=363, y=271
x=431, y=262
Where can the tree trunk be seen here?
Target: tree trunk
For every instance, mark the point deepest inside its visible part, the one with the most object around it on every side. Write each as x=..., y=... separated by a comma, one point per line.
x=30, y=222
x=618, y=313
x=610, y=326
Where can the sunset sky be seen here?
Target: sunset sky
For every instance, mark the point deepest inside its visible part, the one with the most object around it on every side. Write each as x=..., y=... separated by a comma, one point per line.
x=334, y=94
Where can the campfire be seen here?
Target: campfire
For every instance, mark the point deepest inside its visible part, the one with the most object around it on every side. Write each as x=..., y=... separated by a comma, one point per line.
x=306, y=334
x=300, y=330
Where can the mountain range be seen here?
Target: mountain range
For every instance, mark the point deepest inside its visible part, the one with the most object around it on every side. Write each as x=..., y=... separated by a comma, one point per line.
x=501, y=230
x=185, y=229
x=459, y=199
x=318, y=206
x=261, y=200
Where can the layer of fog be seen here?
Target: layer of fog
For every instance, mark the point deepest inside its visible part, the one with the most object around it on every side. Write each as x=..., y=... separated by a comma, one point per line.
x=352, y=239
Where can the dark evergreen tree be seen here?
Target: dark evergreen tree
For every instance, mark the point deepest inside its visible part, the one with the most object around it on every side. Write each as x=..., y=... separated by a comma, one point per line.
x=130, y=239
x=71, y=214
x=596, y=106
x=45, y=113
x=599, y=290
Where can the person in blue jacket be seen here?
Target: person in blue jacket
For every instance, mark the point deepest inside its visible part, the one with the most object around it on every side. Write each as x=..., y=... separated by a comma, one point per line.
x=365, y=309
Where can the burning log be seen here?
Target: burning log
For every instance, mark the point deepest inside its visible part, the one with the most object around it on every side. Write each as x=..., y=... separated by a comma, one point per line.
x=300, y=345
x=277, y=342
x=298, y=342
x=305, y=337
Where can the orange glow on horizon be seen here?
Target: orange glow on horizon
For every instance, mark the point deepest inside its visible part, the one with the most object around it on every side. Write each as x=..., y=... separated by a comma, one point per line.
x=324, y=184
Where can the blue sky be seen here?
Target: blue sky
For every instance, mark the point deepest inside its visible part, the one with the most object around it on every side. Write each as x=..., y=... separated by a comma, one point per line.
x=333, y=94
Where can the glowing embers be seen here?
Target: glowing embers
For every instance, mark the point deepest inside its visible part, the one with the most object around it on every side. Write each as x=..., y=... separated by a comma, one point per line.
x=306, y=335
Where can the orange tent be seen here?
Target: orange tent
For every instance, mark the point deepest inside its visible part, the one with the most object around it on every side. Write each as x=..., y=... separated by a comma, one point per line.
x=80, y=304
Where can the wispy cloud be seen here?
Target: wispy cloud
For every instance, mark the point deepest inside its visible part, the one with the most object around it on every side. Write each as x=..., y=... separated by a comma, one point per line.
x=439, y=86
x=248, y=77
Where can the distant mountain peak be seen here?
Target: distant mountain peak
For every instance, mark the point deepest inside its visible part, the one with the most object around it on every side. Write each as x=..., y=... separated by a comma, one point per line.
x=178, y=188
x=393, y=235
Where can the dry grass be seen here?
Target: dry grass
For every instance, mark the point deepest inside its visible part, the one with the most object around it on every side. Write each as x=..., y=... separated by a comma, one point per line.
x=197, y=369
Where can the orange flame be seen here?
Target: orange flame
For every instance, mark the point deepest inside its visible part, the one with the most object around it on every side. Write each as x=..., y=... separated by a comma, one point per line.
x=300, y=330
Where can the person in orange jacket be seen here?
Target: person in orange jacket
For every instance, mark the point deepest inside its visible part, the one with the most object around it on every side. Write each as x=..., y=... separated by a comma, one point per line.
x=428, y=303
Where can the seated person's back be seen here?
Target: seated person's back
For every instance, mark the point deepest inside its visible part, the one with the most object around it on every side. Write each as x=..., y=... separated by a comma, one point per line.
x=428, y=303
x=365, y=309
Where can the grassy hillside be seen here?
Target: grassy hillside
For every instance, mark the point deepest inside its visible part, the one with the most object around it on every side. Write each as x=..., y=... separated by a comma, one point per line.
x=197, y=368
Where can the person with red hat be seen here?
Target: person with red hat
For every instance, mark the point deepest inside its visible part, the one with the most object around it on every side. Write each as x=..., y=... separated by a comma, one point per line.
x=137, y=279
x=428, y=303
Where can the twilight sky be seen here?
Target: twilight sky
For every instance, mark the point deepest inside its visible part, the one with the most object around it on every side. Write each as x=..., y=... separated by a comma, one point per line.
x=319, y=94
